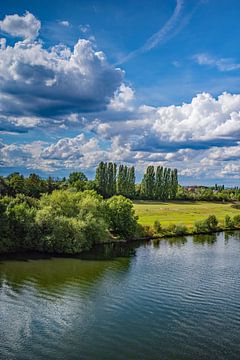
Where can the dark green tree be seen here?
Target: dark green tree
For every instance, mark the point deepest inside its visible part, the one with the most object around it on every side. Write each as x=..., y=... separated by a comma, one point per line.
x=148, y=183
x=159, y=185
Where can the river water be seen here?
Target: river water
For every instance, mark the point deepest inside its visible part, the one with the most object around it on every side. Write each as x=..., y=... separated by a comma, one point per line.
x=176, y=299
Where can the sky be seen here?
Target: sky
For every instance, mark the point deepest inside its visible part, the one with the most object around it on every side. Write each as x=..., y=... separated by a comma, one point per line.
x=134, y=82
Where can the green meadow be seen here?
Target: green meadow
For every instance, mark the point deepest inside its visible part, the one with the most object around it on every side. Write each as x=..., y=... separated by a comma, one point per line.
x=183, y=212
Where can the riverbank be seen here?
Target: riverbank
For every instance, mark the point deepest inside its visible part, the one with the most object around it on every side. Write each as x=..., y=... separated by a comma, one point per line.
x=110, y=249
x=69, y=223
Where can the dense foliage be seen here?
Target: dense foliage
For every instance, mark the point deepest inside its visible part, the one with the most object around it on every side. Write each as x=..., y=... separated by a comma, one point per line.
x=63, y=221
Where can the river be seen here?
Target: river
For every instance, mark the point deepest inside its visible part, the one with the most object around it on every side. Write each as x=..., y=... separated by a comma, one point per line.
x=177, y=299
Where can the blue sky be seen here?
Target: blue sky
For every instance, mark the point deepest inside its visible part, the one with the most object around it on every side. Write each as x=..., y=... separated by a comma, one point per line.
x=150, y=82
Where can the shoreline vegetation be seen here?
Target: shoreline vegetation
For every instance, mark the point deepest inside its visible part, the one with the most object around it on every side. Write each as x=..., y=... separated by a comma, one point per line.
x=70, y=216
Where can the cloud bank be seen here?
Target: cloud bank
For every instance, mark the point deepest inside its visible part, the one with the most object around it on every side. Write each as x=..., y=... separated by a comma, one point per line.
x=59, y=89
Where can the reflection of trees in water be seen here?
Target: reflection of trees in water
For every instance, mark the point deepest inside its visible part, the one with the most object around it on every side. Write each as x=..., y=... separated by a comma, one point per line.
x=55, y=274
x=110, y=251
x=228, y=235
x=172, y=241
x=209, y=239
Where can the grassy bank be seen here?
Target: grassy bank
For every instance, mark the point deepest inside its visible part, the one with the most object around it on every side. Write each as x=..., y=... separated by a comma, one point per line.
x=181, y=212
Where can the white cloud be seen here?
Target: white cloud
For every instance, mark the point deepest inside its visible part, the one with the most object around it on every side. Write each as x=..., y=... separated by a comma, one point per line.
x=64, y=23
x=203, y=123
x=222, y=64
x=26, y=26
x=49, y=82
x=122, y=99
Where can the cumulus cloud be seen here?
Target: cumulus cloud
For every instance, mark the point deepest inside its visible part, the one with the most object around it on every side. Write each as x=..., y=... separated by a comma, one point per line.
x=43, y=82
x=67, y=153
x=203, y=123
x=122, y=99
x=26, y=26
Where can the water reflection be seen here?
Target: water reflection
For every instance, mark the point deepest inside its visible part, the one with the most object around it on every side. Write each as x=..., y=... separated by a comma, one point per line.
x=168, y=299
x=172, y=241
x=208, y=239
x=55, y=274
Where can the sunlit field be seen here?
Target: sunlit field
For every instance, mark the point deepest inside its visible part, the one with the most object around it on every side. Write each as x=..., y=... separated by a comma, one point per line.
x=181, y=212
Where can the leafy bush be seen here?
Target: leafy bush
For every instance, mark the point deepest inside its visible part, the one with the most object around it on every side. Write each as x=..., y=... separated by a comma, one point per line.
x=178, y=229
x=71, y=222
x=236, y=220
x=228, y=222
x=201, y=226
x=17, y=221
x=211, y=222
x=157, y=226
x=121, y=216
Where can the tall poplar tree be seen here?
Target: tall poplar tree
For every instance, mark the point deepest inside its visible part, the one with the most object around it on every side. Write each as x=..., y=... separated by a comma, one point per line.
x=159, y=183
x=131, y=182
x=148, y=183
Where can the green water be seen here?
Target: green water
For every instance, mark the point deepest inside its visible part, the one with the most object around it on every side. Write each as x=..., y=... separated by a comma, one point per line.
x=174, y=300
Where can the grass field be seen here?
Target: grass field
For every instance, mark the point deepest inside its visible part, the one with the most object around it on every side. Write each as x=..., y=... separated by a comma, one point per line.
x=181, y=212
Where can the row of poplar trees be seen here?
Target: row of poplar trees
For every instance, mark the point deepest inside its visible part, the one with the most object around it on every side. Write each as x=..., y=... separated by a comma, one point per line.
x=159, y=184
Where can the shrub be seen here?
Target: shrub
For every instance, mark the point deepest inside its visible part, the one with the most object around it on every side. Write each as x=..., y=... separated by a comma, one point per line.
x=211, y=222
x=72, y=222
x=228, y=221
x=207, y=225
x=200, y=226
x=178, y=229
x=157, y=226
x=236, y=220
x=121, y=216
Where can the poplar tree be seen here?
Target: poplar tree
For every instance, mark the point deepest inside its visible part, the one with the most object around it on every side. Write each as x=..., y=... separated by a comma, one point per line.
x=111, y=179
x=159, y=183
x=148, y=183
x=120, y=180
x=100, y=178
x=174, y=183
x=131, y=182
x=165, y=192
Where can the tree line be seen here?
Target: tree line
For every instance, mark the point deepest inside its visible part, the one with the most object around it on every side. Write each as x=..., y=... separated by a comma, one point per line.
x=157, y=183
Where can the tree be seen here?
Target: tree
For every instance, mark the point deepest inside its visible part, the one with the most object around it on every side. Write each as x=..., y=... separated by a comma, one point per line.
x=148, y=183
x=173, y=184
x=120, y=180
x=121, y=215
x=34, y=186
x=131, y=182
x=111, y=179
x=101, y=178
x=16, y=184
x=159, y=185
x=72, y=222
